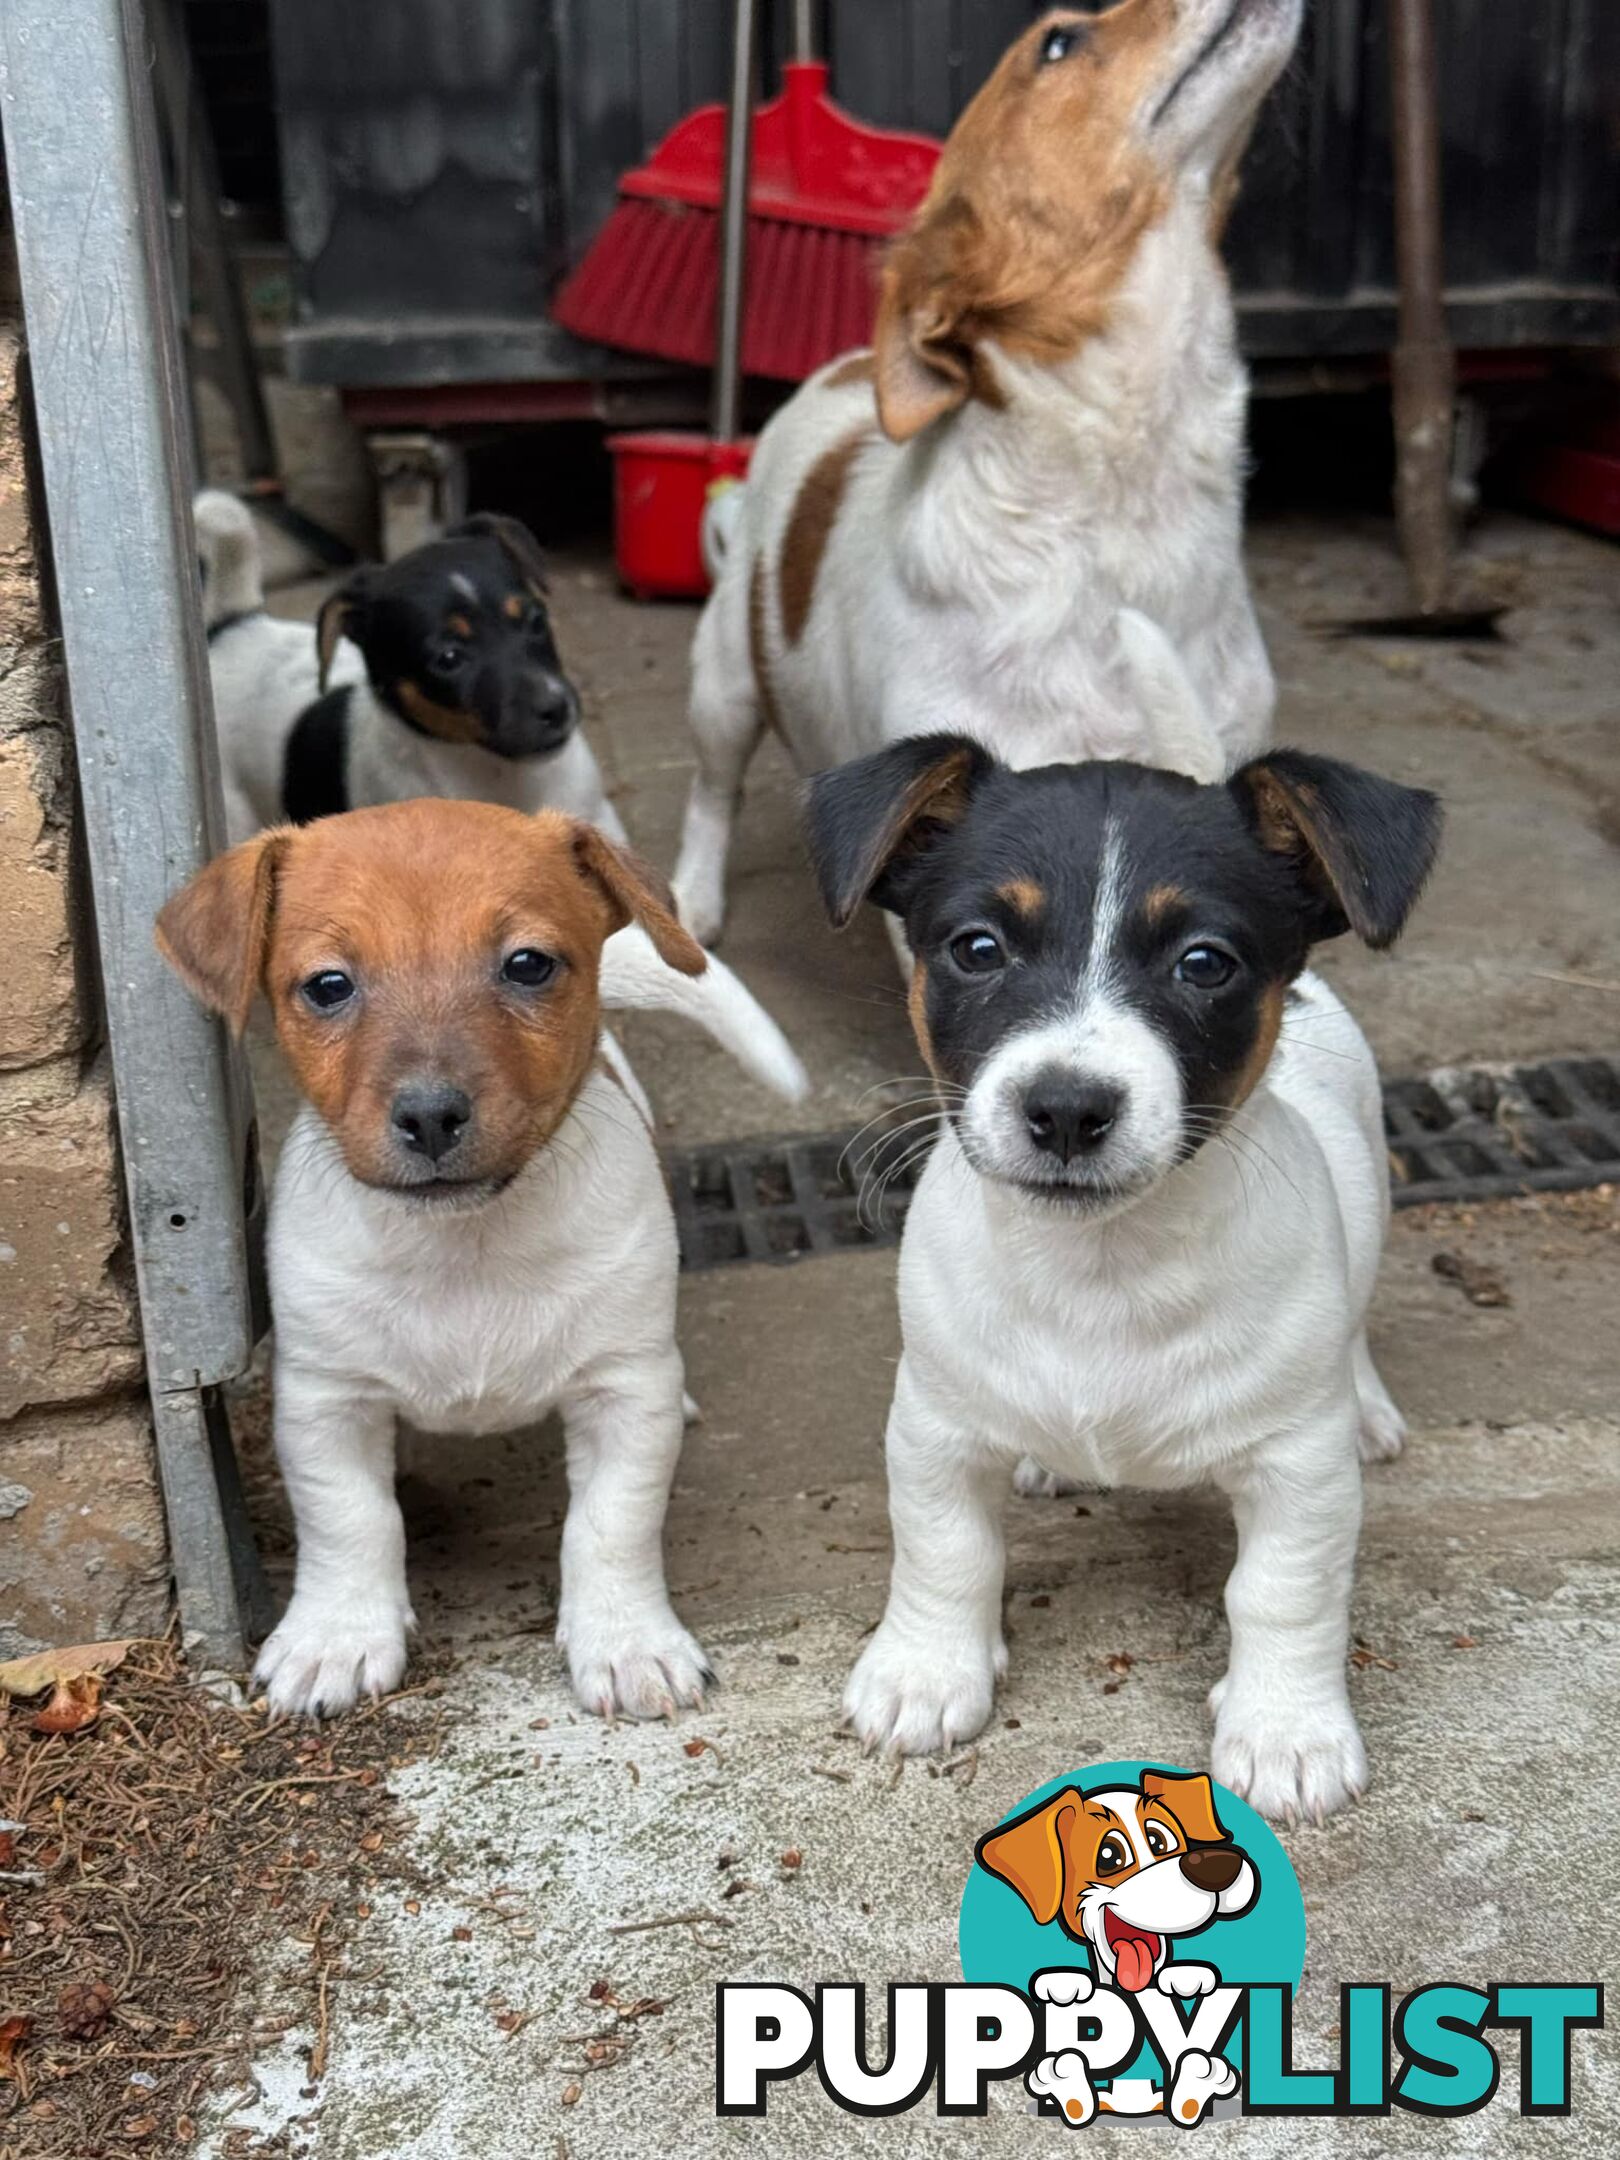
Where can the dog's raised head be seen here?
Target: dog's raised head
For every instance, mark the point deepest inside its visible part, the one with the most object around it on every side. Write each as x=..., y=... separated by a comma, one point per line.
x=1086, y=130
x=1125, y=1870
x=1103, y=952
x=431, y=968
x=457, y=640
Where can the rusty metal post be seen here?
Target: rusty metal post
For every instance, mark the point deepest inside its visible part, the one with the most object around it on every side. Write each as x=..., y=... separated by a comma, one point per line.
x=1423, y=367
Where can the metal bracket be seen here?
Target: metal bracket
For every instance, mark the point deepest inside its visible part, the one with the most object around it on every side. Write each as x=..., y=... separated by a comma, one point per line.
x=108, y=391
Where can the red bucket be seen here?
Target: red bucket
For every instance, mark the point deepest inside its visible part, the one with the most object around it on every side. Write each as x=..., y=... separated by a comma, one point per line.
x=661, y=481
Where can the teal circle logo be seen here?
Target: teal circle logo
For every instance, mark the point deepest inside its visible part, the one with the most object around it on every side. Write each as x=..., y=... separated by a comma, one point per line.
x=1130, y=1870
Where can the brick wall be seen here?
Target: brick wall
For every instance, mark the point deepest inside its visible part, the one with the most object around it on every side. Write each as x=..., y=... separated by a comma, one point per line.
x=82, y=1550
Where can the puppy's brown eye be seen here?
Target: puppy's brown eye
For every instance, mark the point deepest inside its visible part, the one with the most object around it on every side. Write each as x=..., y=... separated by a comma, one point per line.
x=1060, y=41
x=327, y=990
x=1113, y=1854
x=447, y=658
x=978, y=952
x=1159, y=1840
x=1205, y=967
x=528, y=967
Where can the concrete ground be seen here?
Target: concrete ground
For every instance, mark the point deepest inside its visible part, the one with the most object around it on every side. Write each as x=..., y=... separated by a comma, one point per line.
x=1488, y=1682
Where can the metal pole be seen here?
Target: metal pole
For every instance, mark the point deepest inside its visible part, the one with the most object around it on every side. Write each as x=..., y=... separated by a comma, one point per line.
x=728, y=327
x=1423, y=368
x=108, y=395
x=804, y=36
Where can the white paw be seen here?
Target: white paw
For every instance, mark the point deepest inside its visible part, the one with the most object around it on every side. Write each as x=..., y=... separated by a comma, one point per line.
x=910, y=1698
x=1294, y=1763
x=1382, y=1433
x=1066, y=2080
x=1064, y=1984
x=645, y=1666
x=328, y=1652
x=1186, y=1981
x=701, y=906
x=1200, y=2078
x=1034, y=1483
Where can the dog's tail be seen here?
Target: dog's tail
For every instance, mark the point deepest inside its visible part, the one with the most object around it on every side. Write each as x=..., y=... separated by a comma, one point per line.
x=227, y=555
x=1184, y=736
x=635, y=979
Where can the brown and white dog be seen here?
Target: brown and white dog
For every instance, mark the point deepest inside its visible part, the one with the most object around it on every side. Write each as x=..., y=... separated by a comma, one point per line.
x=1125, y=1870
x=469, y=1224
x=946, y=532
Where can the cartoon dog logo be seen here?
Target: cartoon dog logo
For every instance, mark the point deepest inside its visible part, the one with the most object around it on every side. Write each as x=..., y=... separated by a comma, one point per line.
x=1126, y=1871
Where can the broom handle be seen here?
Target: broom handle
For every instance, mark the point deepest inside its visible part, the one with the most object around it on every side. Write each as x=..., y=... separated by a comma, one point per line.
x=734, y=231
x=804, y=36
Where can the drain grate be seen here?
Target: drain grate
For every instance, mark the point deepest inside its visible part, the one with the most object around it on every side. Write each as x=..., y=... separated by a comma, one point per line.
x=1483, y=1133
x=1487, y=1134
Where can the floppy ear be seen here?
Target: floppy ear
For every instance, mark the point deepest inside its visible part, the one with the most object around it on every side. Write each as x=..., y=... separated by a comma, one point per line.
x=1191, y=1800
x=343, y=614
x=920, y=372
x=1028, y=1853
x=517, y=540
x=635, y=893
x=1360, y=846
x=215, y=932
x=862, y=818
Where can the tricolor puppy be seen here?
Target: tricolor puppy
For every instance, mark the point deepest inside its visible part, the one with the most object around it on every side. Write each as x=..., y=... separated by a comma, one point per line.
x=943, y=532
x=469, y=1224
x=436, y=675
x=1126, y=1872
x=1144, y=1245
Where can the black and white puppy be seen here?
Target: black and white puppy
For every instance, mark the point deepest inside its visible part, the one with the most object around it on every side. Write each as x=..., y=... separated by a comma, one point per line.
x=1143, y=1249
x=435, y=675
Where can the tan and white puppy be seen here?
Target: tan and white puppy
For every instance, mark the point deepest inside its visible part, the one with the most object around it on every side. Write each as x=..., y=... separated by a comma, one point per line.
x=469, y=1224
x=942, y=533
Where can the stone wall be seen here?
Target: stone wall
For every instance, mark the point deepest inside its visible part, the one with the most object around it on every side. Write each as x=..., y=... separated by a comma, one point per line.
x=82, y=1551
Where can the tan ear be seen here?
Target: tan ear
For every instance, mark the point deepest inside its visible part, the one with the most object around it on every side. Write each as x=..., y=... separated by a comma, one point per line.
x=342, y=615
x=1028, y=1853
x=519, y=543
x=920, y=373
x=865, y=819
x=215, y=932
x=330, y=624
x=1191, y=1800
x=636, y=893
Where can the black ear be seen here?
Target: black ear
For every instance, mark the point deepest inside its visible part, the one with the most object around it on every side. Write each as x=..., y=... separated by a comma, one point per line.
x=1361, y=846
x=343, y=614
x=865, y=818
x=517, y=540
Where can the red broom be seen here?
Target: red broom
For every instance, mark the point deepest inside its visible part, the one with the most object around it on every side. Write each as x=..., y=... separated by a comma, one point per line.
x=824, y=195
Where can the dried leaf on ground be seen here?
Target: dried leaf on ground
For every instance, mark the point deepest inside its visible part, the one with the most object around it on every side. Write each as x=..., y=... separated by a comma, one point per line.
x=74, y=1704
x=13, y=2033
x=50, y=1668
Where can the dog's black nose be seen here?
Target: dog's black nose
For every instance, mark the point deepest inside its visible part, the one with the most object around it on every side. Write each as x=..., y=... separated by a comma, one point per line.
x=431, y=1120
x=1068, y=1117
x=1212, y=1867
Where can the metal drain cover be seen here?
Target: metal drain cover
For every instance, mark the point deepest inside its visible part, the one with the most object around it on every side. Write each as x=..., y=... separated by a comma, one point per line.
x=1482, y=1133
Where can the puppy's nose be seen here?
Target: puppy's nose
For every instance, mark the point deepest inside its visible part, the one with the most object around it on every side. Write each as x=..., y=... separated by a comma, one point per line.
x=1067, y=1117
x=431, y=1120
x=1212, y=1867
x=556, y=707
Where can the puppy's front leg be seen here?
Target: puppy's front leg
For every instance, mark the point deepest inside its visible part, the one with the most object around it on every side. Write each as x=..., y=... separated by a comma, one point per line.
x=927, y=1678
x=343, y=1635
x=627, y=1652
x=1284, y=1734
